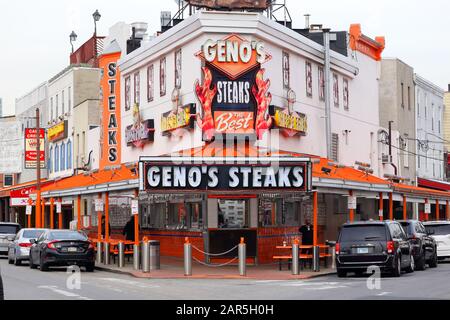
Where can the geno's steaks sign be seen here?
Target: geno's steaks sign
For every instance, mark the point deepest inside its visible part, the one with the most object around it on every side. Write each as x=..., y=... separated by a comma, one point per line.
x=157, y=174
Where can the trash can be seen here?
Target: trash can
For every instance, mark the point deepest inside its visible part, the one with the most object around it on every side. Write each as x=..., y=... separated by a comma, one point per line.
x=154, y=247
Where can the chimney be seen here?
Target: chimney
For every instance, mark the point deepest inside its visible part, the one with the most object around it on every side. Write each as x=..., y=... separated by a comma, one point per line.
x=307, y=20
x=138, y=32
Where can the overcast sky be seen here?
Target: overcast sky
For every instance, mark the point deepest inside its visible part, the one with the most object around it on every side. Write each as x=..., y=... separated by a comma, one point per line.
x=34, y=35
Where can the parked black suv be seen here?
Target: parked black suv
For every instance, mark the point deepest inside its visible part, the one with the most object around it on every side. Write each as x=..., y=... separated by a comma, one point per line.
x=423, y=245
x=373, y=243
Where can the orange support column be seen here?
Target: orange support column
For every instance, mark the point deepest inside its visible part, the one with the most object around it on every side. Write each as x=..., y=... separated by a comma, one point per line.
x=29, y=221
x=107, y=216
x=391, y=207
x=79, y=212
x=315, y=209
x=352, y=212
x=52, y=213
x=43, y=213
x=60, y=217
x=405, y=213
x=99, y=222
x=426, y=213
x=136, y=222
x=380, y=212
x=38, y=208
x=437, y=211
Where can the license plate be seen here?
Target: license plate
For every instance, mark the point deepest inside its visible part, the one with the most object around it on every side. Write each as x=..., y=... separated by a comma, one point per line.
x=72, y=249
x=362, y=250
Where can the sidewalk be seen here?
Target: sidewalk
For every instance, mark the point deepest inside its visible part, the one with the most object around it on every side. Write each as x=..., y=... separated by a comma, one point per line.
x=172, y=268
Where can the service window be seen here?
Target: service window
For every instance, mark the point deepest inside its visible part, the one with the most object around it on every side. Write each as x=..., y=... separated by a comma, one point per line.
x=233, y=214
x=185, y=216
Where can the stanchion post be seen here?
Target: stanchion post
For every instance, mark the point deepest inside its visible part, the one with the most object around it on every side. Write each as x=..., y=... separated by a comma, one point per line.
x=136, y=257
x=121, y=258
x=242, y=258
x=145, y=256
x=187, y=258
x=316, y=258
x=106, y=252
x=295, y=270
x=333, y=257
x=99, y=252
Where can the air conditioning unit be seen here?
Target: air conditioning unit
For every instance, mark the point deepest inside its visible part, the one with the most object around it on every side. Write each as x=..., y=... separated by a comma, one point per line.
x=386, y=159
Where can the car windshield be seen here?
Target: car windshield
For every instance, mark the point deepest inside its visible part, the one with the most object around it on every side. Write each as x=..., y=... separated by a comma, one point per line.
x=9, y=229
x=406, y=227
x=363, y=233
x=66, y=235
x=439, y=229
x=32, y=234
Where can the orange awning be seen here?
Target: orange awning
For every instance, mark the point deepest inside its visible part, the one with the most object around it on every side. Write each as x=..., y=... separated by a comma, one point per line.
x=114, y=178
x=420, y=192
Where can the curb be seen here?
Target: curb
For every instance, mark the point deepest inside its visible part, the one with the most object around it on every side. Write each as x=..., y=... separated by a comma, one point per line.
x=212, y=277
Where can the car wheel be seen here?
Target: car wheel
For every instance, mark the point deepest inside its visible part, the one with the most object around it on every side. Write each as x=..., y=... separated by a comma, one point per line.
x=411, y=267
x=341, y=273
x=434, y=261
x=397, y=268
x=420, y=265
x=17, y=262
x=43, y=266
x=90, y=267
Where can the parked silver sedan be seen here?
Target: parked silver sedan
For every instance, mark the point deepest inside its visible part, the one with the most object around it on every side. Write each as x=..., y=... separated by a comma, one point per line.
x=7, y=233
x=19, y=249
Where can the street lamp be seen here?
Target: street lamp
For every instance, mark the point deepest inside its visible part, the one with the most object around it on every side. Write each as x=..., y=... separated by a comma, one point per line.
x=96, y=15
x=73, y=37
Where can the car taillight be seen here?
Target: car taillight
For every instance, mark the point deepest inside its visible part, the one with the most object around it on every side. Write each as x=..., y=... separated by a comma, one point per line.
x=25, y=244
x=91, y=246
x=390, y=246
x=338, y=248
x=51, y=245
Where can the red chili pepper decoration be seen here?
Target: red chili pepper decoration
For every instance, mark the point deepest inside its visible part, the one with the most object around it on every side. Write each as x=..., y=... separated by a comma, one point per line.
x=263, y=99
x=206, y=96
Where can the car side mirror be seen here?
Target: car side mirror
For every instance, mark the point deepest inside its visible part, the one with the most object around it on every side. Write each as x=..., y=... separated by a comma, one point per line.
x=32, y=241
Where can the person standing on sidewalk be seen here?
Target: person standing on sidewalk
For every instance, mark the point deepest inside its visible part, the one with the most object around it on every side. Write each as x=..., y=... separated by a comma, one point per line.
x=307, y=234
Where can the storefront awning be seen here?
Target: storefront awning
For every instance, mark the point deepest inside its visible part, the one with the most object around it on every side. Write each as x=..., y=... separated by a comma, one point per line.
x=420, y=192
x=433, y=184
x=20, y=193
x=110, y=179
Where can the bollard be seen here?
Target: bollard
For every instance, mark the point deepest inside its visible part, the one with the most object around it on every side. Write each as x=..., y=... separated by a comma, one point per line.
x=154, y=246
x=99, y=252
x=242, y=258
x=316, y=259
x=333, y=257
x=187, y=258
x=145, y=257
x=106, y=253
x=121, y=256
x=295, y=256
x=136, y=257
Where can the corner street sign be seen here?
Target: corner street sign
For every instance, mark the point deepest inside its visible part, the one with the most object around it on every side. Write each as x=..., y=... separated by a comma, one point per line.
x=58, y=207
x=134, y=207
x=98, y=205
x=29, y=209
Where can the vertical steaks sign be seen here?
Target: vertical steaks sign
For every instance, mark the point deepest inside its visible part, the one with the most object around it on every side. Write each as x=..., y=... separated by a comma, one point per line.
x=234, y=95
x=31, y=155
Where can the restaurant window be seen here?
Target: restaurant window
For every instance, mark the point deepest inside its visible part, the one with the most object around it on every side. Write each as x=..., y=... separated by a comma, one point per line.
x=309, y=89
x=137, y=88
x=69, y=155
x=50, y=160
x=178, y=69
x=409, y=98
x=403, y=95
x=127, y=93
x=276, y=210
x=184, y=216
x=335, y=147
x=56, y=158
x=336, y=90
x=153, y=215
x=321, y=84
x=233, y=214
x=8, y=180
x=150, y=83
x=57, y=108
x=119, y=210
x=162, y=77
x=51, y=109
x=69, y=96
x=346, y=95
x=286, y=71
x=63, y=157
x=62, y=104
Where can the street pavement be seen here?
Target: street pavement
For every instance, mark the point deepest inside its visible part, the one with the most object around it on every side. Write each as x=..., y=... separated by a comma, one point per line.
x=22, y=283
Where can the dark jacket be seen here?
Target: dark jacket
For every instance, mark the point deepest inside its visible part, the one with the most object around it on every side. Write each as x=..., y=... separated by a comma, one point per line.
x=307, y=234
x=128, y=230
x=104, y=231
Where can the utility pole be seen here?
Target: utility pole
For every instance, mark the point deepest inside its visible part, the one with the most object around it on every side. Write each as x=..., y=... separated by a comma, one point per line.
x=38, y=170
x=327, y=75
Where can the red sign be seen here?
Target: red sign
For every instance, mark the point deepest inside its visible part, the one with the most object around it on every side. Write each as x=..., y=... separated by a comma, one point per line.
x=21, y=197
x=234, y=122
x=31, y=155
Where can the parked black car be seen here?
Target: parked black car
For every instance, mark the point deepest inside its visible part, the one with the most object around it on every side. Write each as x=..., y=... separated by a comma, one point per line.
x=373, y=243
x=62, y=248
x=424, y=246
x=2, y=294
